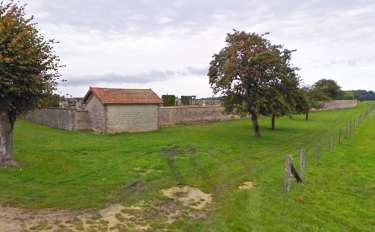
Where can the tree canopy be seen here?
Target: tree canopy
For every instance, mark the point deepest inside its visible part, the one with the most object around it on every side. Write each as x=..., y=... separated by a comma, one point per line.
x=349, y=96
x=314, y=97
x=254, y=77
x=329, y=87
x=28, y=70
x=360, y=95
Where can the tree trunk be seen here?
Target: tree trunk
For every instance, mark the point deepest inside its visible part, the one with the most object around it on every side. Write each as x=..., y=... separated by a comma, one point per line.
x=254, y=119
x=273, y=123
x=6, y=140
x=307, y=115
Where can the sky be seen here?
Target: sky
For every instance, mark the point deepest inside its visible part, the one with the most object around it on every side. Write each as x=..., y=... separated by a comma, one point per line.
x=167, y=45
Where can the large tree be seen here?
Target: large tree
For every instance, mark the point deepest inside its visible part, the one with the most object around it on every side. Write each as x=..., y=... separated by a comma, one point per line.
x=329, y=87
x=284, y=96
x=254, y=77
x=28, y=72
x=312, y=98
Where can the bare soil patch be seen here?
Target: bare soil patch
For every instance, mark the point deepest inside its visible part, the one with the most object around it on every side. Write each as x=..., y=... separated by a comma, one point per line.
x=247, y=185
x=189, y=196
x=186, y=203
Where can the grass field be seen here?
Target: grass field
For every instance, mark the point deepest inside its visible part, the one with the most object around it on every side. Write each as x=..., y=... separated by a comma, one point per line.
x=82, y=170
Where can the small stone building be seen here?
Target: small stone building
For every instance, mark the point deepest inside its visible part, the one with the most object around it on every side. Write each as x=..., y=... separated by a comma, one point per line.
x=122, y=110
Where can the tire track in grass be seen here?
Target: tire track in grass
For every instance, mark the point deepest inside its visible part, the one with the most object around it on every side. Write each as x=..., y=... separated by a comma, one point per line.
x=172, y=153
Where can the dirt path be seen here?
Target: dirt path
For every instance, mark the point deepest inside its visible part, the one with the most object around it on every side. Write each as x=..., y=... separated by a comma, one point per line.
x=157, y=215
x=152, y=215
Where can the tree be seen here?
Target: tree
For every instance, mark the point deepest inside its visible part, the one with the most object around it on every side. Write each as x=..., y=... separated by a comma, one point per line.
x=314, y=98
x=254, y=77
x=329, y=87
x=349, y=96
x=51, y=100
x=283, y=99
x=28, y=72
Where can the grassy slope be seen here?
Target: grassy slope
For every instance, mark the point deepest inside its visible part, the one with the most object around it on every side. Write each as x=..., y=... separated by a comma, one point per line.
x=83, y=170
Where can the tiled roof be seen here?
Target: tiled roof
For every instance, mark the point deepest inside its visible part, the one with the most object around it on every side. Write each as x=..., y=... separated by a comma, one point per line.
x=124, y=96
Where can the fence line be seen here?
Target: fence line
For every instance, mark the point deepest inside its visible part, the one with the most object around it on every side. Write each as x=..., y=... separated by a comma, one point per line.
x=289, y=169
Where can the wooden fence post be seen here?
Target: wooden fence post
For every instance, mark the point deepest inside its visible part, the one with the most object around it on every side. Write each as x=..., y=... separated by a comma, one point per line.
x=350, y=127
x=340, y=136
x=331, y=144
x=288, y=168
x=355, y=124
x=318, y=152
x=302, y=164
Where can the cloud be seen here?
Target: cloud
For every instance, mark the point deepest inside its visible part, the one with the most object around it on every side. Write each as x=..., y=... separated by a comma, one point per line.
x=197, y=71
x=120, y=41
x=148, y=16
x=139, y=78
x=349, y=62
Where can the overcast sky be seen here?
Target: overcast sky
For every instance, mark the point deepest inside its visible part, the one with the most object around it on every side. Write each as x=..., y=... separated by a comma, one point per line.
x=167, y=45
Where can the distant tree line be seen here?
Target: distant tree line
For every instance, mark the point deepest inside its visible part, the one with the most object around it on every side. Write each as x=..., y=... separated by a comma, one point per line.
x=360, y=95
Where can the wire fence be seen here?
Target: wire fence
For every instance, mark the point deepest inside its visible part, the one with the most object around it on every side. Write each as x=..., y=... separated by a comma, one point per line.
x=290, y=169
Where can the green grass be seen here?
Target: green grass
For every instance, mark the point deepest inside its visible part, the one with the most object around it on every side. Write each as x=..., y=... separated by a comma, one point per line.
x=78, y=170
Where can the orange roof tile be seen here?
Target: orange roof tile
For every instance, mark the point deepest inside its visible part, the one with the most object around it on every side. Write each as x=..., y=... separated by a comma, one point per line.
x=124, y=96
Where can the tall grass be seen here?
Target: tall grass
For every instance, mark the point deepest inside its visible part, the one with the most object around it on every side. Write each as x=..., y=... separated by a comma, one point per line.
x=77, y=170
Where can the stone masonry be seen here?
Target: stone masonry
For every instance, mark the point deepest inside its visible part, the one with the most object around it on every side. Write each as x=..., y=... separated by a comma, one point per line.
x=193, y=114
x=66, y=119
x=116, y=118
x=340, y=104
x=97, y=114
x=132, y=117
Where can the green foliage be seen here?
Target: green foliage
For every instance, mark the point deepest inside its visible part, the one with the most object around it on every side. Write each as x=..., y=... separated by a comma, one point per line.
x=254, y=76
x=315, y=97
x=310, y=97
x=186, y=100
x=328, y=87
x=50, y=100
x=336, y=195
x=349, y=96
x=360, y=95
x=28, y=66
x=169, y=100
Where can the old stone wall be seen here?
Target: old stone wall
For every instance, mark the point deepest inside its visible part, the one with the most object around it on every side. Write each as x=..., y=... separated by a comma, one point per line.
x=132, y=118
x=82, y=120
x=97, y=114
x=338, y=105
x=61, y=118
x=193, y=114
x=341, y=104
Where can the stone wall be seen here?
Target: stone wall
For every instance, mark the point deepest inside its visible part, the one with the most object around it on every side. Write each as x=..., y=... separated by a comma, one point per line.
x=193, y=114
x=82, y=120
x=338, y=105
x=132, y=118
x=97, y=114
x=61, y=118
x=341, y=104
